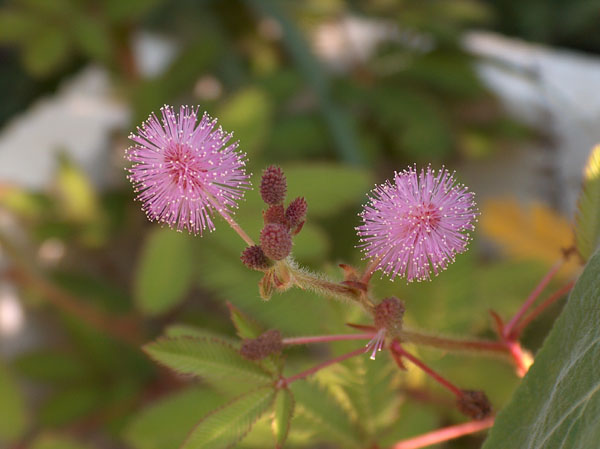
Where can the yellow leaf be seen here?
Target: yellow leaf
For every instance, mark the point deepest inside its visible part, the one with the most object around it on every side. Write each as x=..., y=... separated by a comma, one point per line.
x=533, y=233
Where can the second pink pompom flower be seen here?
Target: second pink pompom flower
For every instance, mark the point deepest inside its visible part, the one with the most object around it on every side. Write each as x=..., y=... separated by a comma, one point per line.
x=416, y=225
x=184, y=170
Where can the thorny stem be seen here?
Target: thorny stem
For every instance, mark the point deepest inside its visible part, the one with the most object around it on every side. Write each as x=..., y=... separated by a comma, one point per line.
x=398, y=352
x=288, y=380
x=325, y=338
x=444, y=434
x=532, y=297
x=540, y=308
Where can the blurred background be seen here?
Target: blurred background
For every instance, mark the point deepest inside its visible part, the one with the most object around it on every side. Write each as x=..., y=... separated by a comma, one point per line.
x=341, y=94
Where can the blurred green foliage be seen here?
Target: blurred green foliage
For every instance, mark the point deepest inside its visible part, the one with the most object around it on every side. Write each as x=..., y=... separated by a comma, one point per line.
x=120, y=282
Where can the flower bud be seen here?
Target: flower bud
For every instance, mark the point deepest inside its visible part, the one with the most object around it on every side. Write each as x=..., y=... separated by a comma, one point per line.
x=474, y=404
x=275, y=214
x=388, y=314
x=273, y=185
x=266, y=344
x=275, y=241
x=296, y=212
x=254, y=257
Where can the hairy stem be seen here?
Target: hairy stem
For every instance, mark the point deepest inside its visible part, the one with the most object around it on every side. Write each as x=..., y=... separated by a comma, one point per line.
x=321, y=285
x=444, y=434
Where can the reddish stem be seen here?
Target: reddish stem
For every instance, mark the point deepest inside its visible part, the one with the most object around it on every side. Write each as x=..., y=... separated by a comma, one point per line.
x=444, y=434
x=540, y=308
x=532, y=297
x=325, y=338
x=369, y=270
x=288, y=380
x=398, y=350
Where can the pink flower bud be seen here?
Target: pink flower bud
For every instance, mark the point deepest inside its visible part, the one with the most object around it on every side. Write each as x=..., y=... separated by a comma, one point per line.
x=296, y=212
x=276, y=241
x=474, y=404
x=254, y=257
x=266, y=344
x=275, y=214
x=273, y=185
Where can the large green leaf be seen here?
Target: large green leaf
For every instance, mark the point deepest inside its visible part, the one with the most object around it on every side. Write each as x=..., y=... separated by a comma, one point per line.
x=211, y=359
x=13, y=417
x=164, y=273
x=558, y=403
x=166, y=423
x=228, y=425
x=587, y=229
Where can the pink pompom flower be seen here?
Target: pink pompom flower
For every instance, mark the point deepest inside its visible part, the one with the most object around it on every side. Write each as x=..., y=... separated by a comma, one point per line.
x=417, y=225
x=184, y=169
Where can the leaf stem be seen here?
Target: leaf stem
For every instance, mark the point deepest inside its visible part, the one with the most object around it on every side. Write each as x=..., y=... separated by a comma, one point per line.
x=532, y=297
x=325, y=338
x=398, y=352
x=444, y=434
x=288, y=380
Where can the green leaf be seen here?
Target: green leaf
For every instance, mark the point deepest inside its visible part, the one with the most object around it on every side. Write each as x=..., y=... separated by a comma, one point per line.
x=166, y=423
x=327, y=188
x=164, y=273
x=248, y=114
x=15, y=26
x=45, y=50
x=558, y=403
x=212, y=359
x=70, y=405
x=246, y=327
x=13, y=419
x=587, y=228
x=78, y=199
x=52, y=441
x=326, y=417
x=185, y=330
x=50, y=366
x=284, y=410
x=228, y=425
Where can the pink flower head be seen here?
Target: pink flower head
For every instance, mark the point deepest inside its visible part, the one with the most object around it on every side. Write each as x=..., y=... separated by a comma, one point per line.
x=417, y=224
x=183, y=170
